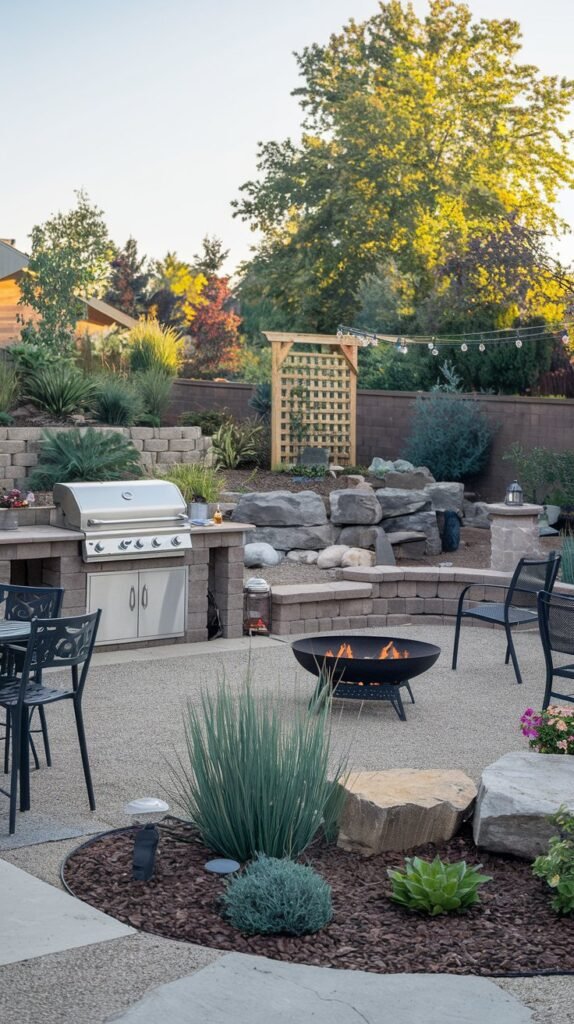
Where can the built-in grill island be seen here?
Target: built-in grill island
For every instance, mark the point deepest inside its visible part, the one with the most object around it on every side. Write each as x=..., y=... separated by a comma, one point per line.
x=128, y=548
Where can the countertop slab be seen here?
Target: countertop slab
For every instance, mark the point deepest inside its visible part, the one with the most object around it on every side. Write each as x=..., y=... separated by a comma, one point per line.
x=39, y=535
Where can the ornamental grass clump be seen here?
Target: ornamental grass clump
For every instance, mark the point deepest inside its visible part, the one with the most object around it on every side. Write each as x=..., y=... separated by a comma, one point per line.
x=275, y=896
x=255, y=780
x=551, y=731
x=557, y=866
x=434, y=887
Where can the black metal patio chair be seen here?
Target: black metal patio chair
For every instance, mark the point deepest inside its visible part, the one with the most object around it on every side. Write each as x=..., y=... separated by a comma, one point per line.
x=59, y=644
x=22, y=604
x=556, y=622
x=519, y=606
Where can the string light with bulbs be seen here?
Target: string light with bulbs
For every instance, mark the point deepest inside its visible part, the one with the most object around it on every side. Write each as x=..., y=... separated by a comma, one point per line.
x=469, y=341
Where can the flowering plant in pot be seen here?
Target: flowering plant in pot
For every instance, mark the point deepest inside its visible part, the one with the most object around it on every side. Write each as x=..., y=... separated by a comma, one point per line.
x=9, y=505
x=551, y=731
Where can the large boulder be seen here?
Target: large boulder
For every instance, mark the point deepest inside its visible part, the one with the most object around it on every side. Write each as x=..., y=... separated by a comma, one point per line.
x=260, y=554
x=416, y=480
x=285, y=538
x=281, y=508
x=331, y=557
x=369, y=537
x=516, y=795
x=420, y=522
x=400, y=501
x=476, y=514
x=379, y=467
x=357, y=557
x=303, y=557
x=403, y=807
x=355, y=505
x=446, y=497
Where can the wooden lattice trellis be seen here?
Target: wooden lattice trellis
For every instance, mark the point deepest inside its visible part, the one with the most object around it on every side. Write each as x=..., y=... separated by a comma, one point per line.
x=314, y=396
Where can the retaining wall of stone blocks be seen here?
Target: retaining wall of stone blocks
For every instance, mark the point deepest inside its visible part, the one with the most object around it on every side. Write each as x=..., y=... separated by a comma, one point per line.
x=158, y=447
x=386, y=596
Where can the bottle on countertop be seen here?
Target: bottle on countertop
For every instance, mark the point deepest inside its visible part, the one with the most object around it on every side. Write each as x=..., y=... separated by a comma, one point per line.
x=218, y=516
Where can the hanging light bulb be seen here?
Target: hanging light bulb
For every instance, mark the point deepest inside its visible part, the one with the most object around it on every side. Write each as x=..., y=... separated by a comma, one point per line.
x=430, y=346
x=464, y=347
x=339, y=332
x=565, y=339
x=518, y=343
x=481, y=347
x=435, y=351
x=404, y=349
x=399, y=345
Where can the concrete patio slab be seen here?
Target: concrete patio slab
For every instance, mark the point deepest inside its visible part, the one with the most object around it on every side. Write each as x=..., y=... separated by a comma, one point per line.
x=37, y=918
x=34, y=828
x=255, y=990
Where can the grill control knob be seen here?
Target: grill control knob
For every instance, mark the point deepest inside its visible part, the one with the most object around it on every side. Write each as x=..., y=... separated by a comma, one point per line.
x=99, y=546
x=139, y=544
x=176, y=541
x=125, y=544
x=156, y=543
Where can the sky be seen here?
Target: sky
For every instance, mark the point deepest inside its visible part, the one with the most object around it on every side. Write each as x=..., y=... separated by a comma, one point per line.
x=156, y=108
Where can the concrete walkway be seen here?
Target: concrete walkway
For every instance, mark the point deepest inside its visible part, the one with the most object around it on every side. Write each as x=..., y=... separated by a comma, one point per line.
x=133, y=708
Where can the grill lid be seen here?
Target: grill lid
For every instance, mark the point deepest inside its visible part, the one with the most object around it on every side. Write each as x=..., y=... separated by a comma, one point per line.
x=122, y=504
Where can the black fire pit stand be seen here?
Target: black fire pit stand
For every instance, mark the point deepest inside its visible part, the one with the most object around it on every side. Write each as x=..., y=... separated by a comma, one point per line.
x=357, y=691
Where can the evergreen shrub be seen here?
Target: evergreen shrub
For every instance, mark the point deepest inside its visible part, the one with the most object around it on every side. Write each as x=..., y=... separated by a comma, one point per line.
x=450, y=435
x=276, y=896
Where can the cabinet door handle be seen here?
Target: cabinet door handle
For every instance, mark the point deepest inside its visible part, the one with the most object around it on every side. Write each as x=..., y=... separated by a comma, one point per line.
x=132, y=598
x=144, y=596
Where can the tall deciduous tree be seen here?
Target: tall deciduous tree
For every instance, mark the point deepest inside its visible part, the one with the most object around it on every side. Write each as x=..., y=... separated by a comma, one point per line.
x=421, y=139
x=214, y=331
x=69, y=261
x=176, y=292
x=129, y=280
x=211, y=260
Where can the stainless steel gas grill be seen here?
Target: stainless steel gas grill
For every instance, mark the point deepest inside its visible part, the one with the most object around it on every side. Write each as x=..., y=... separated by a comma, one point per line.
x=125, y=519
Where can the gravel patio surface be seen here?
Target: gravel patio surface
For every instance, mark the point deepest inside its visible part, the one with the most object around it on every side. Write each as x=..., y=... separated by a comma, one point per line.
x=133, y=711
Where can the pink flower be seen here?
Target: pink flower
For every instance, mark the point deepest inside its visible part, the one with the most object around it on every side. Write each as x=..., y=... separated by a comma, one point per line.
x=563, y=744
x=561, y=727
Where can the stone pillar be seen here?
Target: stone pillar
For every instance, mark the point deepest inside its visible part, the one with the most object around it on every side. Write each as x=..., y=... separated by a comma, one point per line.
x=513, y=535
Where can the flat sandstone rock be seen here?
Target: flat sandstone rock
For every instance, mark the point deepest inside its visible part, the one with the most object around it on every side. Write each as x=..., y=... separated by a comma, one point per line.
x=402, y=808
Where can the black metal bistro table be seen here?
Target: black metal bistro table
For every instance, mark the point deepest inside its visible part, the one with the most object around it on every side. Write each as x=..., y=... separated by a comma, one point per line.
x=14, y=631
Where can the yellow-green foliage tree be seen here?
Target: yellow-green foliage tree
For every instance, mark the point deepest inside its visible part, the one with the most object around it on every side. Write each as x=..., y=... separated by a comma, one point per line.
x=421, y=139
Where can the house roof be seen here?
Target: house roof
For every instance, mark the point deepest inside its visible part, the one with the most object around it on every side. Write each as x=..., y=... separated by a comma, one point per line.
x=13, y=262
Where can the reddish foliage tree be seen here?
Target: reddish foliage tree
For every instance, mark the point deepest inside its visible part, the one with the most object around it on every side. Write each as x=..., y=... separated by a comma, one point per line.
x=214, y=331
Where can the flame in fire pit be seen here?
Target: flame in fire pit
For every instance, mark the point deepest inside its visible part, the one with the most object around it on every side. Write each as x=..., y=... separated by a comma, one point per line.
x=388, y=651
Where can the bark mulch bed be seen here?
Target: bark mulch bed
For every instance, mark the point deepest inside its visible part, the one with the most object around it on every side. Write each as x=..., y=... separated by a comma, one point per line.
x=512, y=931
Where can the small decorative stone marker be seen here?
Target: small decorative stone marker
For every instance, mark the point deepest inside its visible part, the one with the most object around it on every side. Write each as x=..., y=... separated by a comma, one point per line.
x=513, y=534
x=315, y=457
x=222, y=866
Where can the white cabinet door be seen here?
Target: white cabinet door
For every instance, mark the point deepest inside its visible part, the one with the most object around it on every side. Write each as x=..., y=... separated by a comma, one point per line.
x=162, y=602
x=116, y=593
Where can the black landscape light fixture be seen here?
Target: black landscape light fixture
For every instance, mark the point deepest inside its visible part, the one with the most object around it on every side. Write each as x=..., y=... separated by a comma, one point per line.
x=147, y=836
x=514, y=494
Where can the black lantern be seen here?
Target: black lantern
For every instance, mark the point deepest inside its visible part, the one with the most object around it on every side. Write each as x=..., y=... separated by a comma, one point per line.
x=257, y=607
x=514, y=494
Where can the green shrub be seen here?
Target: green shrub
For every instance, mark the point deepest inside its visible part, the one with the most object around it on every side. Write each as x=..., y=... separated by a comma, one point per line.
x=196, y=481
x=277, y=897
x=535, y=470
x=75, y=455
x=29, y=357
x=256, y=781
x=154, y=388
x=315, y=472
x=209, y=422
x=557, y=866
x=434, y=887
x=60, y=389
x=9, y=385
x=6, y=419
x=260, y=401
x=238, y=444
x=116, y=401
x=145, y=419
x=152, y=346
x=452, y=436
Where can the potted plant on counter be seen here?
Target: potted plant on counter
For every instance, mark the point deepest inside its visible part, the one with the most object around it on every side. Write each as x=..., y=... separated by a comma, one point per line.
x=9, y=505
x=200, y=486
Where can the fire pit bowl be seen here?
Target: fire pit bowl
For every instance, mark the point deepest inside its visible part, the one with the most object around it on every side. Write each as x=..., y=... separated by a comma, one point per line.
x=366, y=667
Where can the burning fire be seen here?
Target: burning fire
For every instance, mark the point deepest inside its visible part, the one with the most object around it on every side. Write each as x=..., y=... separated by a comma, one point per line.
x=388, y=651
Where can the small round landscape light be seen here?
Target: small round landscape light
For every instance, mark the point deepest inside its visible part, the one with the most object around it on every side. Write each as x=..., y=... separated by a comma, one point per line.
x=514, y=494
x=518, y=343
x=222, y=866
x=146, y=805
x=147, y=836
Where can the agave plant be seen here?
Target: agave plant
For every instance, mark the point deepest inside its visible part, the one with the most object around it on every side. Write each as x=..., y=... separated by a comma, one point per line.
x=435, y=887
x=75, y=455
x=59, y=388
